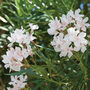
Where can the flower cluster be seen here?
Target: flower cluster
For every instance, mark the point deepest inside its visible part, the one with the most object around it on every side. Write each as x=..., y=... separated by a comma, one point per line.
x=14, y=56
x=69, y=34
x=18, y=82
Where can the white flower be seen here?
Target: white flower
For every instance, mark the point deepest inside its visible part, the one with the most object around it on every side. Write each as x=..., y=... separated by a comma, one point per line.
x=22, y=79
x=33, y=27
x=64, y=22
x=81, y=46
x=15, y=65
x=65, y=38
x=76, y=15
x=60, y=40
x=61, y=44
x=29, y=38
x=80, y=42
x=72, y=33
x=53, y=43
x=79, y=39
x=20, y=54
x=14, y=88
x=17, y=82
x=70, y=13
x=17, y=36
x=15, y=56
x=12, y=59
x=81, y=24
x=66, y=50
x=29, y=50
x=20, y=37
x=54, y=25
x=57, y=49
x=69, y=18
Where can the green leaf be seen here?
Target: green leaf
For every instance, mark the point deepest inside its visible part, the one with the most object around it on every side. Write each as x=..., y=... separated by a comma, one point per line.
x=37, y=86
x=49, y=65
x=46, y=52
x=39, y=60
x=8, y=18
x=39, y=80
x=45, y=48
x=44, y=57
x=3, y=28
x=56, y=54
x=28, y=71
x=13, y=12
x=41, y=55
x=3, y=35
x=38, y=3
x=17, y=2
x=80, y=73
x=42, y=71
x=78, y=84
x=36, y=76
x=48, y=86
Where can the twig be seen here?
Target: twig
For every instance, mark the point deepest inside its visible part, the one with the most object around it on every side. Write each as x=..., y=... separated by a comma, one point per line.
x=2, y=84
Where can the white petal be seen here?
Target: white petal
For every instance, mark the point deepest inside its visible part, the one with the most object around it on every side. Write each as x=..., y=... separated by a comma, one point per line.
x=87, y=25
x=25, y=77
x=77, y=11
x=83, y=48
x=86, y=19
x=51, y=31
x=57, y=49
x=77, y=43
x=84, y=28
x=70, y=54
x=82, y=34
x=6, y=66
x=63, y=53
x=10, y=44
x=76, y=48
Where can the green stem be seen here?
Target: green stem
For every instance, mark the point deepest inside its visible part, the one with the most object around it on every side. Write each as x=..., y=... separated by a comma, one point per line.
x=64, y=4
x=51, y=80
x=72, y=4
x=83, y=68
x=40, y=57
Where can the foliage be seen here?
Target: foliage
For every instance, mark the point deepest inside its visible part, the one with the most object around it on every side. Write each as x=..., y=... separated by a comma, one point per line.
x=50, y=71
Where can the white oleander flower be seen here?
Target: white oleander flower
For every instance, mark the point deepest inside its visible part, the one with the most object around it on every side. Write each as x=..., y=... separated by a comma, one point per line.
x=54, y=25
x=81, y=24
x=66, y=50
x=70, y=35
x=33, y=27
x=76, y=15
x=13, y=59
x=18, y=82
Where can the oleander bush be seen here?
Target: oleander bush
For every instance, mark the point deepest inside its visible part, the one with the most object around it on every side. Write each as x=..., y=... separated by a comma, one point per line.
x=45, y=45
